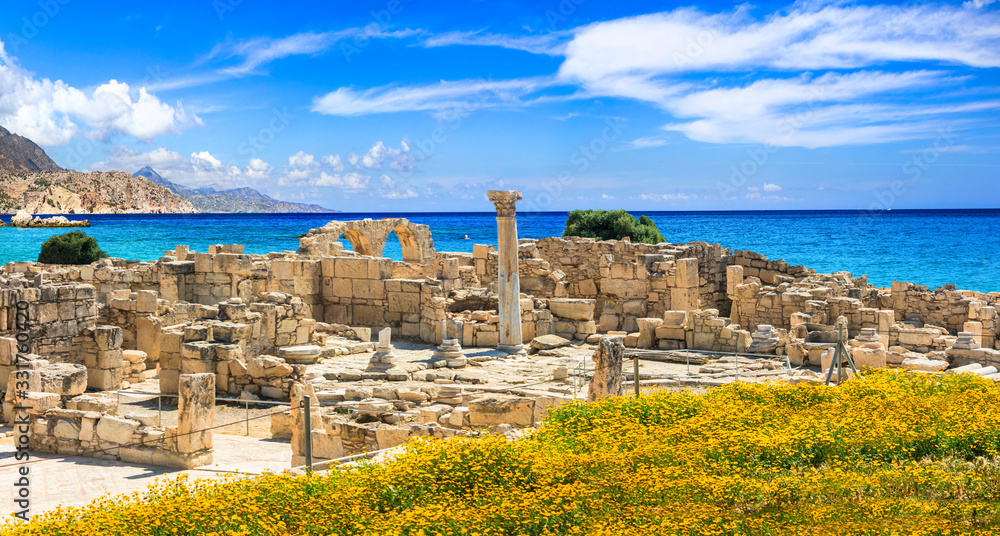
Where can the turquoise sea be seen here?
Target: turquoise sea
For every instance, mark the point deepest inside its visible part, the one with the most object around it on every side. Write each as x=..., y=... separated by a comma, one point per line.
x=929, y=247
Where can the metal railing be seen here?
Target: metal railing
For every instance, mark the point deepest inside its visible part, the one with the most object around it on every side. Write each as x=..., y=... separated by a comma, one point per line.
x=159, y=403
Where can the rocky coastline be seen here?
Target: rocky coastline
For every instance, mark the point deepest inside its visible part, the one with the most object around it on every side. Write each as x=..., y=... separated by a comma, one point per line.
x=24, y=220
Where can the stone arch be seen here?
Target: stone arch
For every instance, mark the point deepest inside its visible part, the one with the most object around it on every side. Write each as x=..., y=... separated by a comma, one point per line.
x=358, y=240
x=368, y=237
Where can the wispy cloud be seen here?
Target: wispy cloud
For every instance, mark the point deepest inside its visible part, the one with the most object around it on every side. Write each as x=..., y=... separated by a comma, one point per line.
x=551, y=44
x=464, y=96
x=664, y=59
x=254, y=53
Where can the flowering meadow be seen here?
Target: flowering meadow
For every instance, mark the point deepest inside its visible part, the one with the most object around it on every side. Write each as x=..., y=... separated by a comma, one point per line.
x=892, y=453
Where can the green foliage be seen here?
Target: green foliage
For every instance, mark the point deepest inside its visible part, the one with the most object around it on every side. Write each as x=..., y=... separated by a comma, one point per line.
x=612, y=225
x=73, y=247
x=44, y=183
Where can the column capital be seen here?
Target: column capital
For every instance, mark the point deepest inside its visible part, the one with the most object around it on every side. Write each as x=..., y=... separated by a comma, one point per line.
x=504, y=201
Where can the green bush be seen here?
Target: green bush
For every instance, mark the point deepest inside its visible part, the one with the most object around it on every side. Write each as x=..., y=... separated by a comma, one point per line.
x=73, y=247
x=612, y=225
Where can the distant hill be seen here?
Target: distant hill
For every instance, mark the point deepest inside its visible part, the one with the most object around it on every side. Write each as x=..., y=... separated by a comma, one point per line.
x=19, y=154
x=30, y=180
x=97, y=192
x=233, y=200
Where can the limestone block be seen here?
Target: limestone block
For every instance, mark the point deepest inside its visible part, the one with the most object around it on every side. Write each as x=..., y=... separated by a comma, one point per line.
x=494, y=409
x=67, y=429
x=145, y=301
x=572, y=309
x=647, y=331
x=326, y=446
x=607, y=379
x=869, y=356
x=675, y=319
x=108, y=337
x=683, y=299
x=39, y=403
x=64, y=379
x=734, y=278
x=917, y=337
x=169, y=379
x=134, y=356
x=115, y=429
x=391, y=436
x=687, y=274
x=8, y=351
x=352, y=268
x=105, y=379
x=548, y=342
x=195, y=412
x=669, y=333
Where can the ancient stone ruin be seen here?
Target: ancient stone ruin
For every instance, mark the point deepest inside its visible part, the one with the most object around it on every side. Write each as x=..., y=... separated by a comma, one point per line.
x=464, y=342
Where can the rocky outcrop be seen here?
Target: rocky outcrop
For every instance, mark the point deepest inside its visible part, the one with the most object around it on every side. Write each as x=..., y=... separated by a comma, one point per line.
x=71, y=192
x=24, y=219
x=20, y=154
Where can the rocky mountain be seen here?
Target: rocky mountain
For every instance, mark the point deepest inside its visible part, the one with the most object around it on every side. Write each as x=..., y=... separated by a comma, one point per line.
x=97, y=192
x=19, y=154
x=231, y=200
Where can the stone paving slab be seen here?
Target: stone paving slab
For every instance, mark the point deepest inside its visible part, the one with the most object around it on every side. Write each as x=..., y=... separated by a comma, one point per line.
x=76, y=480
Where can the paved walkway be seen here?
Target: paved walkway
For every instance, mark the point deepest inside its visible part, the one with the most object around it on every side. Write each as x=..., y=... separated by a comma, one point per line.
x=76, y=480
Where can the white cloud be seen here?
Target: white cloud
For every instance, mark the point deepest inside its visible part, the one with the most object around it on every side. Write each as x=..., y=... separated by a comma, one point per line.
x=976, y=4
x=606, y=196
x=819, y=89
x=552, y=44
x=198, y=170
x=334, y=162
x=301, y=166
x=257, y=52
x=647, y=142
x=51, y=112
x=258, y=170
x=454, y=98
x=768, y=187
x=345, y=181
x=814, y=112
x=807, y=36
x=756, y=196
x=680, y=196
x=407, y=194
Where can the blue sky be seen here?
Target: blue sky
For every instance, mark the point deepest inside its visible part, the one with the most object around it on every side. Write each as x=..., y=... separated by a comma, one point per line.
x=406, y=105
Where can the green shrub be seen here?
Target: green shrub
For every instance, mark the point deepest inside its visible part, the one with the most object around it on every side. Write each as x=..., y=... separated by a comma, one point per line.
x=73, y=247
x=612, y=225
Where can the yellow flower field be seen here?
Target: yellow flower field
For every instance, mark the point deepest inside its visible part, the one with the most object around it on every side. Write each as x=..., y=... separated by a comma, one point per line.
x=892, y=453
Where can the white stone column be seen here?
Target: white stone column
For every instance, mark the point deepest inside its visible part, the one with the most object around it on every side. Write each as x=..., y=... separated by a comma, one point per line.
x=508, y=280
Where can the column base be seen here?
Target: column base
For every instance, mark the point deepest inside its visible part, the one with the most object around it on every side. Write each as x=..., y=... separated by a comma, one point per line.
x=513, y=349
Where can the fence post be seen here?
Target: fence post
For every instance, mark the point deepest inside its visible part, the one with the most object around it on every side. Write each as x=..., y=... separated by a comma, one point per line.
x=635, y=374
x=248, y=417
x=308, y=432
x=159, y=410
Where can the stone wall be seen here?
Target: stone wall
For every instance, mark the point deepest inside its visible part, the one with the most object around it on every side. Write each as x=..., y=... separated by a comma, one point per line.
x=85, y=425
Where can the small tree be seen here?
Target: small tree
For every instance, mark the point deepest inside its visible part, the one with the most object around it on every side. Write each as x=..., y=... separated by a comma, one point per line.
x=612, y=225
x=73, y=247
